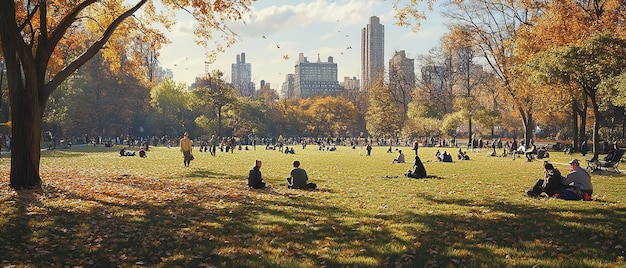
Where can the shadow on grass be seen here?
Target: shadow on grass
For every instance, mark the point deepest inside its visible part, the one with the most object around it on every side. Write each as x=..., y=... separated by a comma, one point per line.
x=575, y=236
x=215, y=224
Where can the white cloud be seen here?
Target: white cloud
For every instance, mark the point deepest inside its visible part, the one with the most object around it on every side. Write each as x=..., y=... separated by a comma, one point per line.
x=278, y=28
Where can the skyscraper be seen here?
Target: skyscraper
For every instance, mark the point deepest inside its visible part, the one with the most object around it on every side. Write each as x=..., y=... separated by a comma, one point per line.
x=372, y=52
x=242, y=76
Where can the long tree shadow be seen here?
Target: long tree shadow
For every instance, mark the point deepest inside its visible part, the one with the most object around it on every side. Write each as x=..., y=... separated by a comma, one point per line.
x=218, y=224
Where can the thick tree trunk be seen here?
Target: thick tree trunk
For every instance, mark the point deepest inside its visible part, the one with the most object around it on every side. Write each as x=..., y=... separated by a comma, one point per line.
x=529, y=128
x=26, y=117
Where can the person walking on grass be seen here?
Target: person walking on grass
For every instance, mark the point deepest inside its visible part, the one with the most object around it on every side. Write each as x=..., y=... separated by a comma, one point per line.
x=186, y=147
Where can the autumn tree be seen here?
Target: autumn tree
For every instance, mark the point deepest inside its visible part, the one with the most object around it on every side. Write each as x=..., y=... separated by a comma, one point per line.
x=382, y=115
x=215, y=94
x=31, y=34
x=170, y=101
x=435, y=89
x=468, y=75
x=330, y=116
x=493, y=27
x=603, y=56
x=248, y=117
x=565, y=23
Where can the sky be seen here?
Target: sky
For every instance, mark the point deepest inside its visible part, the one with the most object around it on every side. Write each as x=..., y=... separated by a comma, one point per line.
x=277, y=31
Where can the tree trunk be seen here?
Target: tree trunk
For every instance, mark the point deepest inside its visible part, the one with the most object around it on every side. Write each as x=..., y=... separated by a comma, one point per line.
x=529, y=127
x=26, y=117
x=575, y=132
x=219, y=121
x=596, y=127
x=469, y=124
x=583, y=118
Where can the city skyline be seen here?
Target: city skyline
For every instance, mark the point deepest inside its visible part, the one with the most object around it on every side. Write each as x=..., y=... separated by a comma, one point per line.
x=275, y=34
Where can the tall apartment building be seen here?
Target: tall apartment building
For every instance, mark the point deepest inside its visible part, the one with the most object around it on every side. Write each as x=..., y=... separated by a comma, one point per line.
x=315, y=78
x=289, y=86
x=242, y=76
x=401, y=79
x=372, y=52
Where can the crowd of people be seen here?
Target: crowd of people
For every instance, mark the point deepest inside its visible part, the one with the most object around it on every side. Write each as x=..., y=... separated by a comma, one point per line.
x=575, y=185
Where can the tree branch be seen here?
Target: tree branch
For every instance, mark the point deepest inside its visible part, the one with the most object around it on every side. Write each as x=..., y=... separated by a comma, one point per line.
x=90, y=52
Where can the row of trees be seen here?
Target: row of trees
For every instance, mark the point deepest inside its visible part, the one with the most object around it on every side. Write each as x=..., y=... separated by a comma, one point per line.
x=547, y=62
x=99, y=102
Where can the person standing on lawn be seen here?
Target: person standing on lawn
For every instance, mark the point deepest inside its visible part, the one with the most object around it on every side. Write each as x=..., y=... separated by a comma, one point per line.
x=186, y=147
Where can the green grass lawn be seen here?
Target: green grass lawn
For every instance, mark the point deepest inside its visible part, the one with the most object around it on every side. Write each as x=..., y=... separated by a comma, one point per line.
x=97, y=209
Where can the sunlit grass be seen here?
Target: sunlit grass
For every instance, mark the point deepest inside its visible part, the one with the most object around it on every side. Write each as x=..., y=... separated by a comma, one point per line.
x=99, y=209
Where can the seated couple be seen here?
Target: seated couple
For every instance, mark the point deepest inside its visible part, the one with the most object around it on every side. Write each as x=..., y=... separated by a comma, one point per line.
x=445, y=157
x=297, y=180
x=557, y=186
x=123, y=152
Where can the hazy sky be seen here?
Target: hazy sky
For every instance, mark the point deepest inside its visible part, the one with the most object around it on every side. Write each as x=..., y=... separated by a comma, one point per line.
x=277, y=29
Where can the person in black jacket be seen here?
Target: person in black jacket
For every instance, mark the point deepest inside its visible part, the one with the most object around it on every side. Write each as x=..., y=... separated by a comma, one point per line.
x=551, y=184
x=254, y=178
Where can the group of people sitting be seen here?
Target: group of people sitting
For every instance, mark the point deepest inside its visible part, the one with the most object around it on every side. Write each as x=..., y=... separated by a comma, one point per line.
x=443, y=157
x=576, y=185
x=523, y=150
x=124, y=152
x=298, y=178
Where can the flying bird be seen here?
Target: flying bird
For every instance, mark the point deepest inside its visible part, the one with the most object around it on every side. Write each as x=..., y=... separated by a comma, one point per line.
x=277, y=46
x=264, y=37
x=286, y=56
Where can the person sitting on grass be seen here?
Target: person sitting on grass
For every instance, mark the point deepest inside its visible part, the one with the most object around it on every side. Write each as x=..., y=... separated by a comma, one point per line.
x=551, y=184
x=123, y=152
x=419, y=171
x=400, y=158
x=299, y=179
x=446, y=157
x=254, y=177
x=581, y=188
